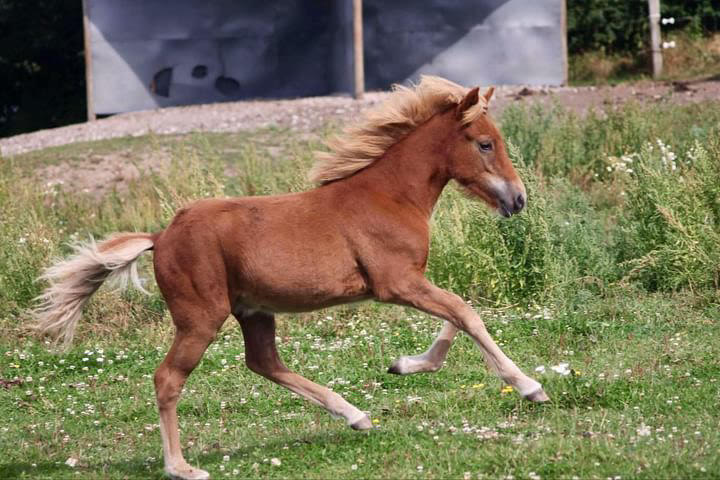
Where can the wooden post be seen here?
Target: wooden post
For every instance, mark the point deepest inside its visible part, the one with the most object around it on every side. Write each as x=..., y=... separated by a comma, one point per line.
x=358, y=57
x=655, y=48
x=563, y=22
x=88, y=64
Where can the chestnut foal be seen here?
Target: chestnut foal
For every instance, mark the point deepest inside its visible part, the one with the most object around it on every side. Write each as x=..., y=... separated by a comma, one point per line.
x=362, y=234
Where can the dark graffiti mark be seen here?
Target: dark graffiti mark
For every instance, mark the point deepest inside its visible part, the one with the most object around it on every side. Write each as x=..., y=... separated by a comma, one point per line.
x=162, y=81
x=160, y=84
x=199, y=71
x=227, y=85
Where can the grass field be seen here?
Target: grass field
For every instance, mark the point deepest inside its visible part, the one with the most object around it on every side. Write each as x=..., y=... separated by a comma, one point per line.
x=612, y=270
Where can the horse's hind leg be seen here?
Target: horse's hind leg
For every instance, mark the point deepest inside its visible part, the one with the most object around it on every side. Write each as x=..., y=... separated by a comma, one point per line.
x=432, y=359
x=196, y=329
x=261, y=357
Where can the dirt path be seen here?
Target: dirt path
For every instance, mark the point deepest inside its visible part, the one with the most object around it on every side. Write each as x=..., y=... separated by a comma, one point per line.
x=308, y=113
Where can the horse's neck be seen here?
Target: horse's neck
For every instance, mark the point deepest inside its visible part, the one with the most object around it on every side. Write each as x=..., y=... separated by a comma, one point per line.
x=413, y=171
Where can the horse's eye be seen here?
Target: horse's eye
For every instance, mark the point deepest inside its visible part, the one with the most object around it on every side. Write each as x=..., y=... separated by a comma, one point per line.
x=485, y=146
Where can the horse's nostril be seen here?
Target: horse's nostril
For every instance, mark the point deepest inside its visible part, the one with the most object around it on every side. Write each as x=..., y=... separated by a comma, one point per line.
x=519, y=202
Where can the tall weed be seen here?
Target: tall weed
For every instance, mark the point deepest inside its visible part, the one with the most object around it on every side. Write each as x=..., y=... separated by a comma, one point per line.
x=558, y=142
x=672, y=222
x=476, y=252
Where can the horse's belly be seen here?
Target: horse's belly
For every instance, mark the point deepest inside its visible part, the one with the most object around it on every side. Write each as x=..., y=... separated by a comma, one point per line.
x=307, y=284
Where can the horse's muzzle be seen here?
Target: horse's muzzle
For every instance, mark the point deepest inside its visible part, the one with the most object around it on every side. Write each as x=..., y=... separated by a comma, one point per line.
x=507, y=209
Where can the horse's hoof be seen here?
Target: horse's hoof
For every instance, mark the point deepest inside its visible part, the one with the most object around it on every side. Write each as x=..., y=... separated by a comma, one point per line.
x=409, y=365
x=402, y=366
x=362, y=424
x=538, y=396
x=186, y=473
x=395, y=369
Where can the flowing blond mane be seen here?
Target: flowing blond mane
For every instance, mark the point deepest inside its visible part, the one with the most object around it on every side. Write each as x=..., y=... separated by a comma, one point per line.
x=361, y=144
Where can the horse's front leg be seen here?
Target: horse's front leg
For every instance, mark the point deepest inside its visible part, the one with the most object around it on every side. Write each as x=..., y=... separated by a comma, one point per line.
x=432, y=359
x=421, y=294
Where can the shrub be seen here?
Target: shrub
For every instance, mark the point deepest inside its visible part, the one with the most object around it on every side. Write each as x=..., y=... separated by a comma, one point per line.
x=672, y=222
x=582, y=236
x=533, y=257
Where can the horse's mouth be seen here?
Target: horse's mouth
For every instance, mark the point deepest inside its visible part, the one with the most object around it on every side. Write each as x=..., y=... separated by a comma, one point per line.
x=503, y=210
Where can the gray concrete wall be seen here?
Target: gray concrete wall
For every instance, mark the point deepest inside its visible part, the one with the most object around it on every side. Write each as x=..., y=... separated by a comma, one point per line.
x=152, y=53
x=470, y=42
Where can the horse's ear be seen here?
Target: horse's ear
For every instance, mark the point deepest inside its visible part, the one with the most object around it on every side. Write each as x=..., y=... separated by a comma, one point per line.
x=470, y=99
x=488, y=95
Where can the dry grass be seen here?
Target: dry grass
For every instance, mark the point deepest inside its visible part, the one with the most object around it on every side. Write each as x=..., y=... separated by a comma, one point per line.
x=692, y=58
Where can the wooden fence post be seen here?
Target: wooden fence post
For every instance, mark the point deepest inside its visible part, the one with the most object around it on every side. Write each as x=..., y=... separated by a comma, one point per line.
x=563, y=22
x=358, y=56
x=88, y=64
x=655, y=47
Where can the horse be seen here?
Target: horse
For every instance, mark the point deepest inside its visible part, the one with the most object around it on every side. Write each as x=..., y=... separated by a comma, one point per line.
x=361, y=234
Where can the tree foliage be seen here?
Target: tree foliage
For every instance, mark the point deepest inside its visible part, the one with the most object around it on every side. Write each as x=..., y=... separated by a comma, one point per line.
x=42, y=72
x=615, y=26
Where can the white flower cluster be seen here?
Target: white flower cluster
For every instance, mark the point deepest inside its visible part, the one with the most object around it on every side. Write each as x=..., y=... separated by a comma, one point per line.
x=667, y=156
x=695, y=152
x=643, y=430
x=53, y=187
x=623, y=163
x=561, y=369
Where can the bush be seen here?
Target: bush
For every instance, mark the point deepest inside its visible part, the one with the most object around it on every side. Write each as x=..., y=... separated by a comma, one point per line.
x=582, y=236
x=533, y=257
x=672, y=223
x=628, y=214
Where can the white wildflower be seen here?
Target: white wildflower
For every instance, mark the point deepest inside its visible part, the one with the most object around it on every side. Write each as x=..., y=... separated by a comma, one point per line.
x=561, y=368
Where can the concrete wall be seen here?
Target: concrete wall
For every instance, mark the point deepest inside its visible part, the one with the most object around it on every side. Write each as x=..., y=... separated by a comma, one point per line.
x=153, y=53
x=470, y=42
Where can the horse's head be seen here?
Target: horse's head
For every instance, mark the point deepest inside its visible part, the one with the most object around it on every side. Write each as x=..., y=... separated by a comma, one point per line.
x=478, y=159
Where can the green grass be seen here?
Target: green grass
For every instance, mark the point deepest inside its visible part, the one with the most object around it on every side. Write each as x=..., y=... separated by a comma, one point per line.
x=571, y=280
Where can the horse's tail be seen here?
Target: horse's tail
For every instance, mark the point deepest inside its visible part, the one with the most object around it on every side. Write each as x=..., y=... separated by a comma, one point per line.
x=73, y=281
